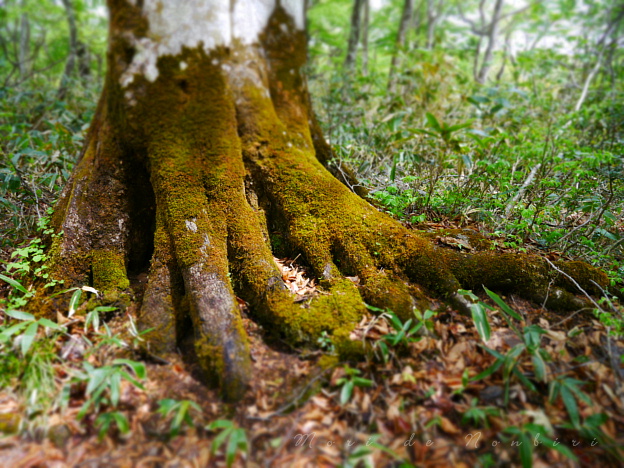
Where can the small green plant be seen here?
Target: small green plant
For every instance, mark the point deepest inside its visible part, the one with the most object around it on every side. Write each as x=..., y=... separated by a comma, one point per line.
x=479, y=315
x=570, y=391
x=529, y=436
x=181, y=411
x=478, y=415
x=612, y=319
x=361, y=455
x=233, y=437
x=351, y=380
x=590, y=429
x=325, y=342
x=441, y=129
x=74, y=301
x=28, y=360
x=26, y=329
x=404, y=332
x=530, y=337
x=31, y=258
x=103, y=384
x=92, y=318
x=19, y=295
x=105, y=421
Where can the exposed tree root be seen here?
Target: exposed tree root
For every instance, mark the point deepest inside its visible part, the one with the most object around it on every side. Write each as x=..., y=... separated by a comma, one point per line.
x=193, y=179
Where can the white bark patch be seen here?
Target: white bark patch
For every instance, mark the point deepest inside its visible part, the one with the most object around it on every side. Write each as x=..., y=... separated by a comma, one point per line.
x=296, y=9
x=191, y=226
x=191, y=23
x=250, y=17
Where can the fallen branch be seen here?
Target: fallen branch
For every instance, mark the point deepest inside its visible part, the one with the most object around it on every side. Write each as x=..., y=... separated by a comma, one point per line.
x=520, y=193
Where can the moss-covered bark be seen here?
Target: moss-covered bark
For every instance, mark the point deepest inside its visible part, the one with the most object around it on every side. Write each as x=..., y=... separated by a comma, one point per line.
x=187, y=176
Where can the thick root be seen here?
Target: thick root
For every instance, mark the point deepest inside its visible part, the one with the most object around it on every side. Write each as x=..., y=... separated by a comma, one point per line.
x=158, y=311
x=198, y=229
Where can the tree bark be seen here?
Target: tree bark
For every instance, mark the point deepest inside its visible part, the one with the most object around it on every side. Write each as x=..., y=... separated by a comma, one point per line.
x=600, y=49
x=432, y=18
x=201, y=155
x=491, y=36
x=70, y=65
x=354, y=34
x=24, y=45
x=365, y=25
x=406, y=17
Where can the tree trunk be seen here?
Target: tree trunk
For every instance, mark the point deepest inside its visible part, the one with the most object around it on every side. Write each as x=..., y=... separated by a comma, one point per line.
x=83, y=57
x=406, y=17
x=24, y=45
x=365, y=25
x=431, y=24
x=354, y=34
x=70, y=65
x=599, y=51
x=506, y=52
x=492, y=35
x=202, y=154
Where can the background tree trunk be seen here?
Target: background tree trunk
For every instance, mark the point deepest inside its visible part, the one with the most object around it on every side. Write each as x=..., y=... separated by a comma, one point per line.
x=406, y=18
x=24, y=45
x=354, y=34
x=491, y=36
x=70, y=65
x=600, y=49
x=365, y=25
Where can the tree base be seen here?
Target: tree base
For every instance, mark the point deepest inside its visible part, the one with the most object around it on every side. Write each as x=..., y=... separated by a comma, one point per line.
x=196, y=179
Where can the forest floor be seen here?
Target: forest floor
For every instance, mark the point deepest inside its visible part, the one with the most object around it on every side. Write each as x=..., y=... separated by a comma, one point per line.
x=424, y=404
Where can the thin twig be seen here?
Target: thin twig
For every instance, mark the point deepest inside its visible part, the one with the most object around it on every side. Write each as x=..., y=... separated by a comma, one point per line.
x=547, y=294
x=591, y=216
x=575, y=284
x=561, y=322
x=293, y=402
x=614, y=246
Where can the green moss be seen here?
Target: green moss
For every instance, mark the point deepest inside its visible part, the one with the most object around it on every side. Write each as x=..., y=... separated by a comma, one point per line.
x=162, y=335
x=210, y=358
x=559, y=299
x=328, y=361
x=109, y=271
x=382, y=289
x=9, y=423
x=592, y=280
x=474, y=239
x=337, y=314
x=348, y=349
x=429, y=266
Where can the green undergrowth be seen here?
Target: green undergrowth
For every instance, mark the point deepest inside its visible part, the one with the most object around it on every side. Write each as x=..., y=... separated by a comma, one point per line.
x=40, y=140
